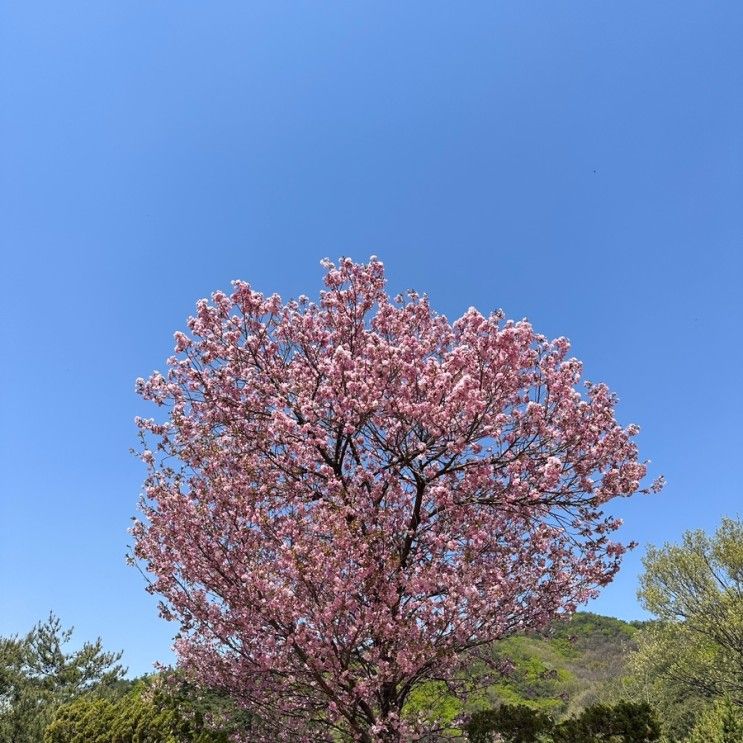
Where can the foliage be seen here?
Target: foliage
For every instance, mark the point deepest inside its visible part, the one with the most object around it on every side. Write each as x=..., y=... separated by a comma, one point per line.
x=513, y=723
x=596, y=650
x=37, y=675
x=159, y=710
x=625, y=722
x=344, y=497
x=571, y=665
x=693, y=653
x=722, y=722
x=434, y=702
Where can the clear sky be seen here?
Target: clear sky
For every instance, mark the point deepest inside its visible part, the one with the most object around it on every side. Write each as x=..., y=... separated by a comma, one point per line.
x=578, y=163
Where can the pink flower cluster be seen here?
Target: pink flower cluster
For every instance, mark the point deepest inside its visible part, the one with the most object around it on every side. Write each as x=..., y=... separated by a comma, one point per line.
x=345, y=496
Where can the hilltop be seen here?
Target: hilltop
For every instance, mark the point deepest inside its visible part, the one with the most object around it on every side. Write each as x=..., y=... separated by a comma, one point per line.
x=574, y=664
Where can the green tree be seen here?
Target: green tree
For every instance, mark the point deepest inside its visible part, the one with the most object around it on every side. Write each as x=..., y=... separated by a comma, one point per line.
x=514, y=723
x=38, y=674
x=163, y=709
x=693, y=653
x=722, y=722
x=624, y=722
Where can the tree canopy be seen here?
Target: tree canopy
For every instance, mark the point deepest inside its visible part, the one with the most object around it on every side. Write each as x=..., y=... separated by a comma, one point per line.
x=38, y=674
x=160, y=709
x=721, y=722
x=696, y=591
x=344, y=496
x=692, y=654
x=624, y=722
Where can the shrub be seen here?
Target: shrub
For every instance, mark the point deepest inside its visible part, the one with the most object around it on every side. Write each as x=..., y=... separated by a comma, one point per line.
x=720, y=723
x=624, y=722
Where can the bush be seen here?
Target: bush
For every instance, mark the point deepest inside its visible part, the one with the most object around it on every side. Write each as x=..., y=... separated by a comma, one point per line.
x=624, y=722
x=515, y=723
x=721, y=723
x=158, y=710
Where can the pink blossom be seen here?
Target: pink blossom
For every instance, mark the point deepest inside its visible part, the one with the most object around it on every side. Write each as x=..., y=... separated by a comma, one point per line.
x=353, y=493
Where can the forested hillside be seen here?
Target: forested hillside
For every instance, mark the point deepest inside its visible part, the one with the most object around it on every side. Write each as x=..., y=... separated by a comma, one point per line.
x=576, y=663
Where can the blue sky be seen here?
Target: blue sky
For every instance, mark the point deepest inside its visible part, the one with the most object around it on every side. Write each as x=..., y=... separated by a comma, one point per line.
x=580, y=164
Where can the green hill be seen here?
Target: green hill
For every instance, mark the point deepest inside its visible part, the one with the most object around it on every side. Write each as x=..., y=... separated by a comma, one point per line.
x=576, y=663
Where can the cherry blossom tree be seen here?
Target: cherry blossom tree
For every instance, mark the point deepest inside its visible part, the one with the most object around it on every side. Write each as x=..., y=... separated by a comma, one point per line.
x=345, y=496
